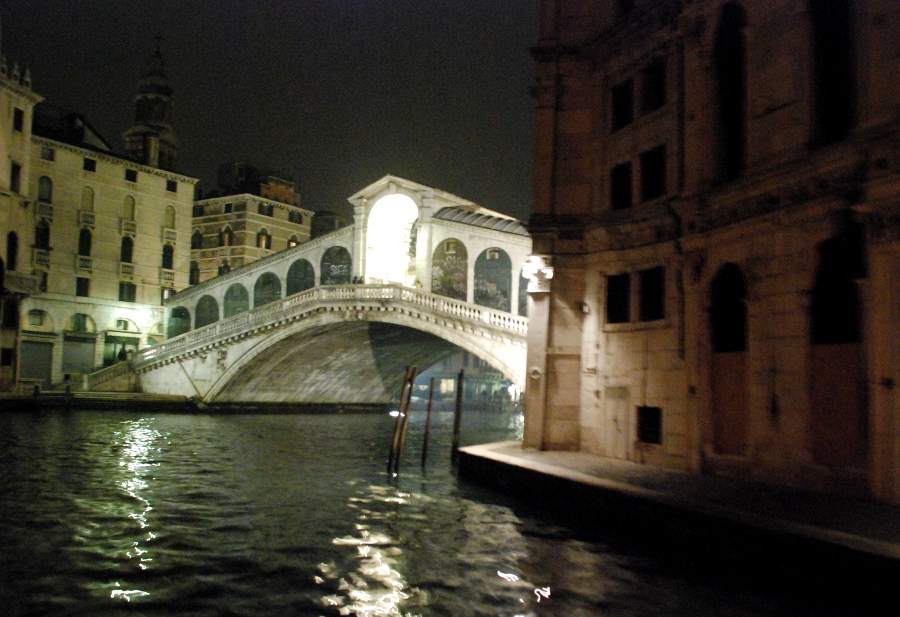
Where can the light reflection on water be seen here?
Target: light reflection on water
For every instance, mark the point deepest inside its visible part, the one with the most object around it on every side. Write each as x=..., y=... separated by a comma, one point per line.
x=107, y=514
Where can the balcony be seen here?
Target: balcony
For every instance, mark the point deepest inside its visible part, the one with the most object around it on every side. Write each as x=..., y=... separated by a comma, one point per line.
x=41, y=257
x=83, y=264
x=44, y=210
x=127, y=227
x=19, y=282
x=166, y=277
x=126, y=271
x=85, y=219
x=169, y=235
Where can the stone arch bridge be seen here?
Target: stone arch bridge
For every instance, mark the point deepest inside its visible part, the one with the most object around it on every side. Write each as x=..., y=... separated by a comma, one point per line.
x=421, y=273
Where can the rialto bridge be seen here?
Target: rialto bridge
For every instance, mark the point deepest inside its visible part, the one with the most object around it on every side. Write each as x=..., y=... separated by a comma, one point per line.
x=420, y=273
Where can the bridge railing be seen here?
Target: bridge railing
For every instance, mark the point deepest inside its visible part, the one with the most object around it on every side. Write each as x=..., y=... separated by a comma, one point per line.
x=348, y=295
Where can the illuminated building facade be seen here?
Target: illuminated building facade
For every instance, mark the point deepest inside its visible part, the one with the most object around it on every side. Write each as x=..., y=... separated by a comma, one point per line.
x=715, y=195
x=93, y=242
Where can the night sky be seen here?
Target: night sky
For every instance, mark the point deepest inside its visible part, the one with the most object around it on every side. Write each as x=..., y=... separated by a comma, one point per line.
x=336, y=93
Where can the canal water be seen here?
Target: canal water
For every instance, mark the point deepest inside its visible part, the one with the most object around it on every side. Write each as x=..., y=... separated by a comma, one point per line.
x=111, y=513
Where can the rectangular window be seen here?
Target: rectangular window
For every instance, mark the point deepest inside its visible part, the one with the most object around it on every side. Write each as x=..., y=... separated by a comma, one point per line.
x=10, y=313
x=166, y=293
x=48, y=153
x=82, y=287
x=228, y=208
x=172, y=186
x=127, y=292
x=197, y=211
x=620, y=186
x=6, y=356
x=15, y=177
x=649, y=424
x=653, y=86
x=622, y=104
x=653, y=294
x=653, y=173
x=89, y=164
x=35, y=318
x=121, y=324
x=618, y=290
x=18, y=120
x=131, y=175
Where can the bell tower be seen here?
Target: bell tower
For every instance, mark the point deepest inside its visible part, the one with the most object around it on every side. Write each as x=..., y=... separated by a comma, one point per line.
x=151, y=138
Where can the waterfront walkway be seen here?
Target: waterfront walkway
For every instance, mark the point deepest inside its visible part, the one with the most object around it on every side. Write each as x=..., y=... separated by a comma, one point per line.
x=818, y=525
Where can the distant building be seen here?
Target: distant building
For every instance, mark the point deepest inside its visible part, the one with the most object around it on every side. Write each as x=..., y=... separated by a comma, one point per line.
x=715, y=199
x=93, y=242
x=151, y=140
x=253, y=215
x=326, y=221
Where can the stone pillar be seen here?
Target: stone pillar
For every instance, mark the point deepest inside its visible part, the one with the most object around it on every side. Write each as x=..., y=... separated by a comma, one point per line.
x=358, y=254
x=539, y=271
x=470, y=274
x=424, y=239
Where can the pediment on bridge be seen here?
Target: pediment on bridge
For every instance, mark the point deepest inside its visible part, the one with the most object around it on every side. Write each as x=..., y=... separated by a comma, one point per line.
x=395, y=184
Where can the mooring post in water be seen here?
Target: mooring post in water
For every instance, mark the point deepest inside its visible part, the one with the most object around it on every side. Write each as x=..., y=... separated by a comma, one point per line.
x=395, y=436
x=457, y=414
x=404, y=414
x=427, y=422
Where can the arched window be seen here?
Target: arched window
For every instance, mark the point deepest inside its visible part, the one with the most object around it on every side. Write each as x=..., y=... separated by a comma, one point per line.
x=179, y=322
x=87, y=199
x=267, y=289
x=194, y=273
x=12, y=250
x=126, y=250
x=834, y=87
x=84, y=242
x=196, y=239
x=226, y=237
x=335, y=266
x=237, y=300
x=293, y=241
x=45, y=189
x=263, y=239
x=207, y=312
x=493, y=279
x=449, y=269
x=128, y=208
x=731, y=90
x=170, y=218
x=300, y=277
x=42, y=235
x=168, y=256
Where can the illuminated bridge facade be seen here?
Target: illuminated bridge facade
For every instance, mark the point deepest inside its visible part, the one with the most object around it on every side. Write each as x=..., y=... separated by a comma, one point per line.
x=420, y=273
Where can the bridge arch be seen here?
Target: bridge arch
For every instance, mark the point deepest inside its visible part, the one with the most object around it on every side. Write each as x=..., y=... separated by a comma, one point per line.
x=335, y=266
x=206, y=311
x=450, y=269
x=279, y=347
x=300, y=277
x=236, y=301
x=390, y=241
x=179, y=322
x=266, y=289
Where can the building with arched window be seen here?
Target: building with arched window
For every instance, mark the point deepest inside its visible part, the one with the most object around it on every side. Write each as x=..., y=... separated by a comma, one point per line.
x=85, y=228
x=253, y=215
x=714, y=285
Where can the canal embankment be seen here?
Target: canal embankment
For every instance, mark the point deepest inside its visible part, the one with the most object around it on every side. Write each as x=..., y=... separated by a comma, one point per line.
x=808, y=536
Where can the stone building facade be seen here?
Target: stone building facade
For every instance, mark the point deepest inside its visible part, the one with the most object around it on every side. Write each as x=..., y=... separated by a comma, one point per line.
x=93, y=242
x=716, y=200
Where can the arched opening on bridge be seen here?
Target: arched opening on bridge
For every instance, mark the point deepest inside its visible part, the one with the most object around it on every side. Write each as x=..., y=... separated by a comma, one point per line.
x=266, y=289
x=493, y=279
x=300, y=277
x=335, y=267
x=390, y=248
x=450, y=269
x=523, y=295
x=207, y=312
x=179, y=322
x=237, y=300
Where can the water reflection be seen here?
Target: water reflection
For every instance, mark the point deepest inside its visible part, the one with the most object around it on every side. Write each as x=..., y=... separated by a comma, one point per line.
x=137, y=449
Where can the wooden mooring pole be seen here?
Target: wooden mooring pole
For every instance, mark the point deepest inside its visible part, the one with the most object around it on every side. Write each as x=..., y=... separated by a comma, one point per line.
x=395, y=436
x=404, y=415
x=427, y=422
x=457, y=414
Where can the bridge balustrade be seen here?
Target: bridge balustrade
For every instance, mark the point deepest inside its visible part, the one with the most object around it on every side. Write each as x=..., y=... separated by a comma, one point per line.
x=285, y=308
